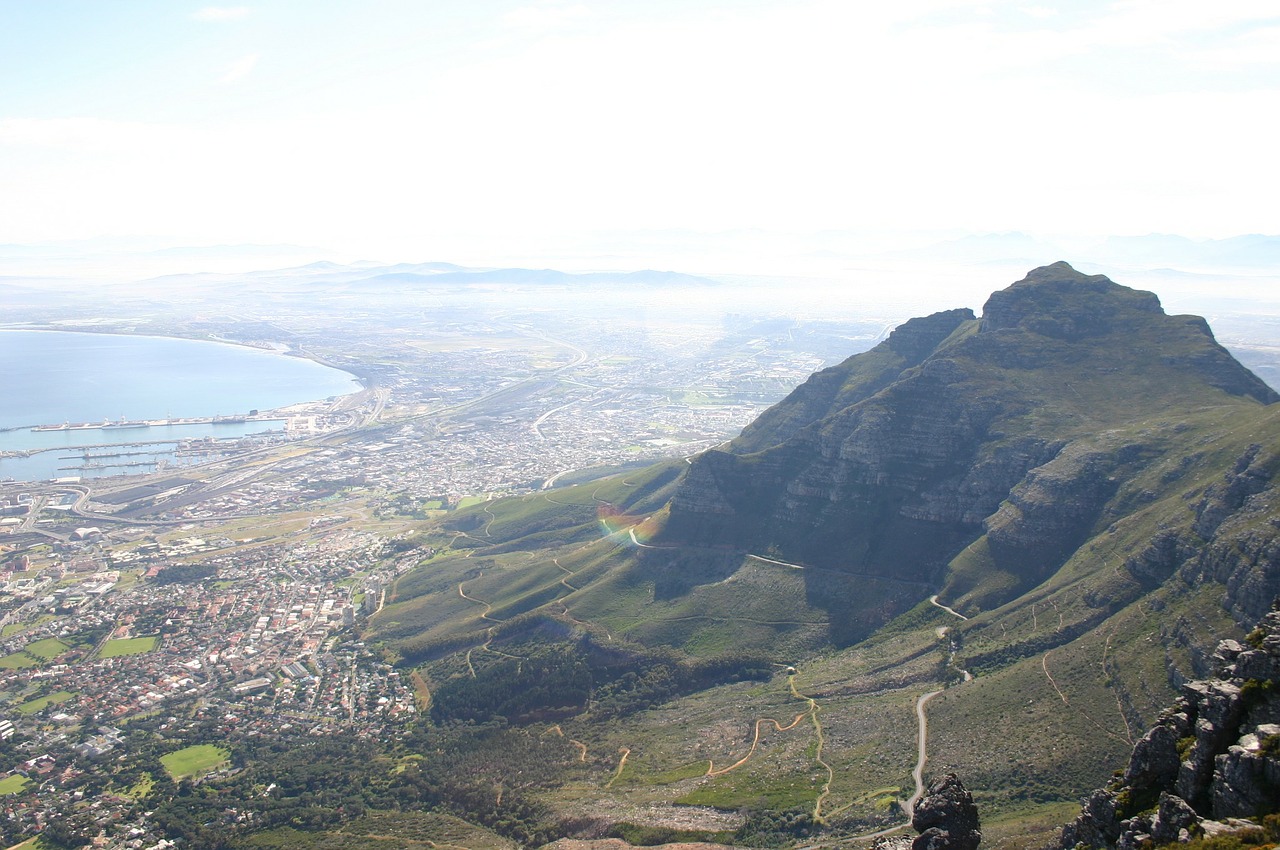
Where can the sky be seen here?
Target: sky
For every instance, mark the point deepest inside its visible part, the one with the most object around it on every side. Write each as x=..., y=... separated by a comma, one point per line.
x=442, y=130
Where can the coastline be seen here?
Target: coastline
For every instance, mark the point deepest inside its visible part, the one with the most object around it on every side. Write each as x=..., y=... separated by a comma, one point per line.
x=286, y=351
x=363, y=382
x=156, y=371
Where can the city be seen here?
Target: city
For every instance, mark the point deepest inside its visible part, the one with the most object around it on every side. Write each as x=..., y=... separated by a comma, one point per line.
x=222, y=600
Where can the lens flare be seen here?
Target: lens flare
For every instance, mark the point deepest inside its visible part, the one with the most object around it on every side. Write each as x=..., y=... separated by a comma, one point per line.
x=633, y=530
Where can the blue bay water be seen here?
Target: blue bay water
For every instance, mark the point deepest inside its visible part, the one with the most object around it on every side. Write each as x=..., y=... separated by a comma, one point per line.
x=54, y=377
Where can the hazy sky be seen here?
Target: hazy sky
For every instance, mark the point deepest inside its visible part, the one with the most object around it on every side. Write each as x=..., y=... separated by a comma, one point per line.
x=404, y=128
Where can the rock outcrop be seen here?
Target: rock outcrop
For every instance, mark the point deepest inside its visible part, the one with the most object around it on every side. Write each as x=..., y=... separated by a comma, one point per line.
x=946, y=817
x=1211, y=760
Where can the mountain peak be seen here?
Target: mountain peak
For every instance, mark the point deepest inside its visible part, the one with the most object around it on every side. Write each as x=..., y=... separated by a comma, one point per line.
x=1009, y=434
x=1058, y=301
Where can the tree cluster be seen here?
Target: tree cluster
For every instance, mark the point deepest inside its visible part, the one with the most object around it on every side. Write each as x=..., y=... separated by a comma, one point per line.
x=184, y=574
x=568, y=677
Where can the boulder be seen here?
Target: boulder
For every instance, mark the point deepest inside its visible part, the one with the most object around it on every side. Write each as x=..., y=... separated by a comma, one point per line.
x=1246, y=779
x=946, y=817
x=1174, y=819
x=1098, y=824
x=1155, y=761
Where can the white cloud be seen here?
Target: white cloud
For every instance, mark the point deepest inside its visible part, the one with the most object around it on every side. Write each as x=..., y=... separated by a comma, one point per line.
x=1041, y=12
x=1138, y=22
x=80, y=135
x=545, y=17
x=218, y=14
x=820, y=115
x=240, y=68
x=1250, y=49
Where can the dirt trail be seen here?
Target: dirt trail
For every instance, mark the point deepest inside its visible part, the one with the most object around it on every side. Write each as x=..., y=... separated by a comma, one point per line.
x=755, y=742
x=844, y=573
x=485, y=646
x=934, y=600
x=458, y=534
x=564, y=612
x=1044, y=665
x=1106, y=672
x=812, y=714
x=567, y=571
x=817, y=755
x=942, y=632
x=582, y=748
x=484, y=615
x=622, y=762
x=632, y=533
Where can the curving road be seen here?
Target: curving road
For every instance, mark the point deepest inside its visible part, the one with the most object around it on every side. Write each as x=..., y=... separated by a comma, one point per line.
x=917, y=775
x=922, y=752
x=934, y=599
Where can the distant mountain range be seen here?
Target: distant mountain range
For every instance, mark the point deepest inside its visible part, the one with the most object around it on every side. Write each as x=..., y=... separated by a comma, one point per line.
x=370, y=275
x=823, y=254
x=431, y=273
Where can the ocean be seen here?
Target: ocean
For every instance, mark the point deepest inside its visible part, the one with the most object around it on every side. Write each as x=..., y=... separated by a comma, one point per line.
x=56, y=377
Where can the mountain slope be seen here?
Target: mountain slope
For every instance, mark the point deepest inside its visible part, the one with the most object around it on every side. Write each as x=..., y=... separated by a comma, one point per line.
x=1013, y=430
x=1088, y=484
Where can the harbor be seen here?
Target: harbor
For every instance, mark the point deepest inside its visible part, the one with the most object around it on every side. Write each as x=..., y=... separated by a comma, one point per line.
x=122, y=423
x=157, y=454
x=69, y=392
x=59, y=451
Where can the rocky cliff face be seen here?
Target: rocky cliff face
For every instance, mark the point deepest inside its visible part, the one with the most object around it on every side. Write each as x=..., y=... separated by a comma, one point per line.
x=1018, y=430
x=854, y=380
x=1213, y=758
